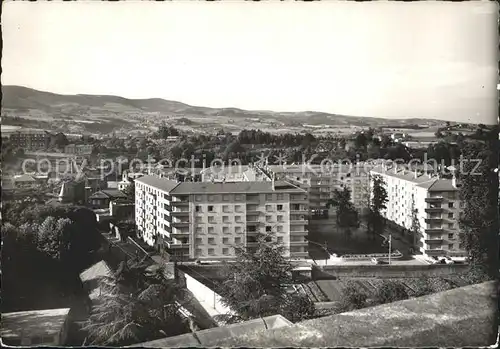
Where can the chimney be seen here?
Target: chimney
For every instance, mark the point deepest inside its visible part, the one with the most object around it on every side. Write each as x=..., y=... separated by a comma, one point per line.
x=272, y=182
x=416, y=173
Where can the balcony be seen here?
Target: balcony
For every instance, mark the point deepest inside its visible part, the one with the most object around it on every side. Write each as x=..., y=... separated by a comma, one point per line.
x=435, y=252
x=180, y=203
x=434, y=210
x=302, y=199
x=299, y=254
x=434, y=241
x=434, y=220
x=180, y=233
x=254, y=223
x=252, y=244
x=298, y=221
x=180, y=213
x=179, y=224
x=253, y=212
x=177, y=245
x=299, y=233
x=434, y=199
x=434, y=230
x=299, y=243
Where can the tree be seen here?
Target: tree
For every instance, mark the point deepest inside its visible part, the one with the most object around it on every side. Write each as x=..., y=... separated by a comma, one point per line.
x=130, y=191
x=379, y=198
x=347, y=215
x=352, y=298
x=390, y=291
x=135, y=307
x=479, y=194
x=255, y=285
x=415, y=223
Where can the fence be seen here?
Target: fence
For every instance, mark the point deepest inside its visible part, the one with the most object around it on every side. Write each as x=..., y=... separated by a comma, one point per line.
x=393, y=271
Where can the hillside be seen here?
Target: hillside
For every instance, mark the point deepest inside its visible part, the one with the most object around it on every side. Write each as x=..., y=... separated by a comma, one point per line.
x=23, y=100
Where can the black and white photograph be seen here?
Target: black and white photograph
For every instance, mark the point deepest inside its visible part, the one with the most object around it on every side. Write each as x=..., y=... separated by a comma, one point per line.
x=261, y=174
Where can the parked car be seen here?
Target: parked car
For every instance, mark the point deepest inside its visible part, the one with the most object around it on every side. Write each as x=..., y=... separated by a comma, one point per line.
x=448, y=260
x=379, y=261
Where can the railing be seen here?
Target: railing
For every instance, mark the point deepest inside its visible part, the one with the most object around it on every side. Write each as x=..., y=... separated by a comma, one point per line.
x=360, y=257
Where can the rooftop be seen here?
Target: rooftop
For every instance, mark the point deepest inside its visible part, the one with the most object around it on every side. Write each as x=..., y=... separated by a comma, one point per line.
x=159, y=183
x=432, y=183
x=462, y=317
x=33, y=323
x=108, y=193
x=239, y=187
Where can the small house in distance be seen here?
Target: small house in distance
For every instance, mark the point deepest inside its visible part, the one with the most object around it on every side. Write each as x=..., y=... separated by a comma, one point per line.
x=47, y=327
x=101, y=199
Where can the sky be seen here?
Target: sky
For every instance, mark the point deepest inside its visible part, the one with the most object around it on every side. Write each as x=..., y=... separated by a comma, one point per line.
x=380, y=59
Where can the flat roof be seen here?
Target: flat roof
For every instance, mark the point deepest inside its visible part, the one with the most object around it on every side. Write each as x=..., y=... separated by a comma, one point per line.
x=159, y=183
x=239, y=187
x=33, y=323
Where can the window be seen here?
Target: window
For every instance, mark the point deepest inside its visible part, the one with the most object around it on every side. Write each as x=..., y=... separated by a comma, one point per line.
x=450, y=246
x=269, y=208
x=225, y=251
x=210, y=230
x=198, y=198
x=268, y=218
x=199, y=219
x=211, y=241
x=238, y=208
x=211, y=219
x=198, y=208
x=225, y=209
x=462, y=204
x=225, y=230
x=237, y=197
x=450, y=215
x=199, y=241
x=237, y=219
x=269, y=196
x=280, y=207
x=450, y=236
x=211, y=198
x=210, y=208
x=225, y=241
x=451, y=225
x=450, y=205
x=225, y=219
x=199, y=230
x=280, y=239
x=211, y=252
x=280, y=218
x=279, y=196
x=199, y=252
x=237, y=230
x=268, y=229
x=225, y=197
x=279, y=228
x=237, y=240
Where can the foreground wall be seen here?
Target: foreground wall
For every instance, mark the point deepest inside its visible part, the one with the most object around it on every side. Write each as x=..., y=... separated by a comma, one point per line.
x=386, y=271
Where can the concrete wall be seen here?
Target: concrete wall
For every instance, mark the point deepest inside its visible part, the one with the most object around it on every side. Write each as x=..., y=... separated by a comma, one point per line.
x=385, y=271
x=209, y=300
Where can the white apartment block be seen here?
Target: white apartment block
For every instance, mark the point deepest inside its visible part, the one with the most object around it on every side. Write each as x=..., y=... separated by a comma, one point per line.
x=204, y=220
x=320, y=181
x=437, y=204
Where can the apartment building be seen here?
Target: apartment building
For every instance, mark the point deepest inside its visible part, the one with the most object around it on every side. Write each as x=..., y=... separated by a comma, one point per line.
x=30, y=139
x=321, y=180
x=435, y=202
x=204, y=220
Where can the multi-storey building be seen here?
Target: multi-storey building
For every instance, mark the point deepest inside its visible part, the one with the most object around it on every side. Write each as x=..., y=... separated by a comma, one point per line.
x=321, y=180
x=202, y=220
x=431, y=201
x=31, y=139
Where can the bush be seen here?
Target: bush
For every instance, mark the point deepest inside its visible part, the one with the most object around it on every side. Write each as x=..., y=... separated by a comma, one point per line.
x=390, y=291
x=352, y=298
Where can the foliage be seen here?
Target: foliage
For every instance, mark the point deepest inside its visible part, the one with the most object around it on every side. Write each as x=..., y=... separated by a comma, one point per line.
x=352, y=298
x=135, y=307
x=255, y=284
x=390, y=291
x=347, y=215
x=479, y=193
x=378, y=200
x=130, y=191
x=165, y=131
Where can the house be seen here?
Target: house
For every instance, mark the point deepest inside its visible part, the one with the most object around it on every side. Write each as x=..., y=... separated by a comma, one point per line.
x=47, y=327
x=24, y=181
x=102, y=198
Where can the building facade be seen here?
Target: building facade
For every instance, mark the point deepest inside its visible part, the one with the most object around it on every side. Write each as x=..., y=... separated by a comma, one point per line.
x=199, y=220
x=30, y=139
x=321, y=181
x=431, y=201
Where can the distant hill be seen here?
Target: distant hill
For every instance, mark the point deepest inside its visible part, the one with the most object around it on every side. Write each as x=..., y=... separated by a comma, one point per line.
x=23, y=99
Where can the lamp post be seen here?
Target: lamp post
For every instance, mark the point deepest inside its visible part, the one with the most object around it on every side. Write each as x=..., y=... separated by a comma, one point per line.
x=390, y=241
